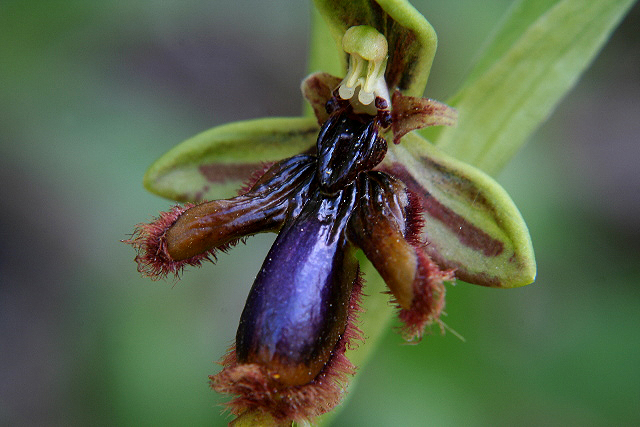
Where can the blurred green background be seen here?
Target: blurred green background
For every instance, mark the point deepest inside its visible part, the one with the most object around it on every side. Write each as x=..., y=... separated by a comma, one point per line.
x=92, y=92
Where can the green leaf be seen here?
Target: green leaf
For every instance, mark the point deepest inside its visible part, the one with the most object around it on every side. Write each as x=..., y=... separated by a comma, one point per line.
x=537, y=56
x=412, y=41
x=216, y=163
x=470, y=222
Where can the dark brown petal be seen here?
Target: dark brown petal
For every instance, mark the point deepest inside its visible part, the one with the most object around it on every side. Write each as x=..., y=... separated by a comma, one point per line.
x=148, y=239
x=428, y=297
x=385, y=225
x=191, y=234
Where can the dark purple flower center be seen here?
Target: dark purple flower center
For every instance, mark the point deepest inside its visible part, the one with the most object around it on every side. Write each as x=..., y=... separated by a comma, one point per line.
x=297, y=308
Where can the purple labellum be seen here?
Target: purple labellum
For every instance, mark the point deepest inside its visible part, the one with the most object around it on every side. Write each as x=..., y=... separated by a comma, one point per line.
x=297, y=308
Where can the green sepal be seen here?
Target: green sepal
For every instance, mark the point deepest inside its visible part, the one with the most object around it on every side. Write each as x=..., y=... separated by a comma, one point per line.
x=535, y=58
x=470, y=222
x=216, y=163
x=412, y=40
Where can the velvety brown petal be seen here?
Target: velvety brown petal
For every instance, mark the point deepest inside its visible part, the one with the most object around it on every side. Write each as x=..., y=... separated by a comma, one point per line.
x=385, y=225
x=191, y=234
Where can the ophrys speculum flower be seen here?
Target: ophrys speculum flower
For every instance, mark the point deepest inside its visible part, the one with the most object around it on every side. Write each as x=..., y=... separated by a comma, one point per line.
x=418, y=216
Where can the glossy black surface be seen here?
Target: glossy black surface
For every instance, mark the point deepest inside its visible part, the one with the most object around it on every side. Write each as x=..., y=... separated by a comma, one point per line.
x=348, y=144
x=298, y=305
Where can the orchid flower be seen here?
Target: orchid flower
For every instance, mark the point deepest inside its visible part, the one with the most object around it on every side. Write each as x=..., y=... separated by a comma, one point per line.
x=357, y=176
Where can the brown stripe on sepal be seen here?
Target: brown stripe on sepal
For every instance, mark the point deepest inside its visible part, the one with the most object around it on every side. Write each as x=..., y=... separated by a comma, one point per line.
x=470, y=222
x=467, y=233
x=220, y=172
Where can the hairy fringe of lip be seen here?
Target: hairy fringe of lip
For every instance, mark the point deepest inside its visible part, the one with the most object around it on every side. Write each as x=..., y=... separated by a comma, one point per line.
x=256, y=389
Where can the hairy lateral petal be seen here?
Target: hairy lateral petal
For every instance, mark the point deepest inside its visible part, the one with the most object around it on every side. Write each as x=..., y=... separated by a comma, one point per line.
x=216, y=162
x=412, y=41
x=190, y=234
x=470, y=222
x=385, y=225
x=378, y=227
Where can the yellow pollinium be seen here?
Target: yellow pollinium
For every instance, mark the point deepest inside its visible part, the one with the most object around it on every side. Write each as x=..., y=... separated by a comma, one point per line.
x=367, y=50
